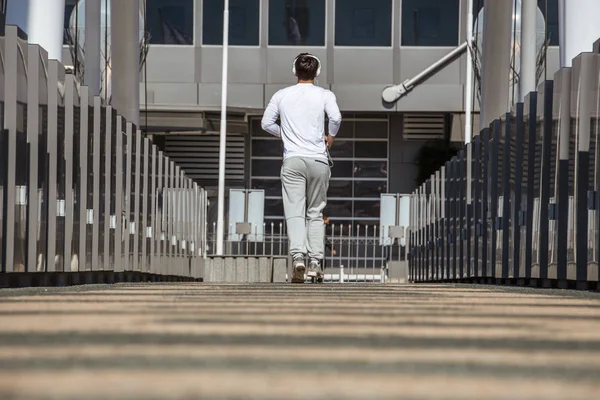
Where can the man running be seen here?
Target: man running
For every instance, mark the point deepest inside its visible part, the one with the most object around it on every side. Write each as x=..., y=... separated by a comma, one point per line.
x=306, y=167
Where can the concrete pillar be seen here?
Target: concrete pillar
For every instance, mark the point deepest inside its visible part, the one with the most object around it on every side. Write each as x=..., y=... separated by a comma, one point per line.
x=92, y=46
x=46, y=25
x=578, y=28
x=495, y=65
x=528, y=47
x=42, y=20
x=125, y=58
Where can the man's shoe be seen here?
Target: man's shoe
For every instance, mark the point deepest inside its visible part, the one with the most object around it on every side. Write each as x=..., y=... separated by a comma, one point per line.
x=315, y=270
x=299, y=269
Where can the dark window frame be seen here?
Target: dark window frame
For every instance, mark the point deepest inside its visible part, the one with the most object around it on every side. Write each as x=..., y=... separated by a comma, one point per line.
x=317, y=41
x=340, y=41
x=218, y=22
x=409, y=33
x=188, y=35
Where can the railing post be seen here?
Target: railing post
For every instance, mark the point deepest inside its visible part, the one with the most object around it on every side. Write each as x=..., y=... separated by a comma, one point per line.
x=493, y=211
x=506, y=195
x=546, y=114
x=518, y=195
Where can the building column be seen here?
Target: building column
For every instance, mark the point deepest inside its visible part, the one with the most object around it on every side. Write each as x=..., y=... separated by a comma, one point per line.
x=578, y=28
x=92, y=46
x=46, y=25
x=528, y=47
x=42, y=20
x=495, y=63
x=125, y=58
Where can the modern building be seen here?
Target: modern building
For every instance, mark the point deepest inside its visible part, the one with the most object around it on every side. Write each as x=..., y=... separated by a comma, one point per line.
x=364, y=46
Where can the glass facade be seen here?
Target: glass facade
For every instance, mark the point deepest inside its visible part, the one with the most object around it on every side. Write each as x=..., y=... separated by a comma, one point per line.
x=244, y=22
x=69, y=7
x=170, y=22
x=303, y=22
x=363, y=23
x=297, y=22
x=358, y=177
x=550, y=10
x=430, y=22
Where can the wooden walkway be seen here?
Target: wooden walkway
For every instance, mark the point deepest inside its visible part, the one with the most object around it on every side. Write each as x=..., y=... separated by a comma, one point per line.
x=199, y=341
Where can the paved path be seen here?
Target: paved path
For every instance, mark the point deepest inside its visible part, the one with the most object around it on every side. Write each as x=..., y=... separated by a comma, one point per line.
x=298, y=342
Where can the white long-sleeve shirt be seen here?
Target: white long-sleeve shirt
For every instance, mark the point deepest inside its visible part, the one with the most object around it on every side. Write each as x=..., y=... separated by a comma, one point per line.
x=302, y=110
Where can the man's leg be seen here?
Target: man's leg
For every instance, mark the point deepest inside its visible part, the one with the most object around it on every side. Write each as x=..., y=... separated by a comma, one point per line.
x=293, y=182
x=316, y=192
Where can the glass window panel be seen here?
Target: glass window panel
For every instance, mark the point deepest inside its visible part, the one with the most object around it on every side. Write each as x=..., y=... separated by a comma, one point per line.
x=430, y=22
x=267, y=148
x=346, y=130
x=257, y=130
x=370, y=169
x=266, y=167
x=297, y=22
x=371, y=130
x=371, y=150
x=244, y=22
x=272, y=187
x=341, y=169
x=340, y=189
x=274, y=207
x=369, y=188
x=342, y=149
x=551, y=15
x=171, y=21
x=366, y=209
x=363, y=23
x=338, y=208
x=69, y=7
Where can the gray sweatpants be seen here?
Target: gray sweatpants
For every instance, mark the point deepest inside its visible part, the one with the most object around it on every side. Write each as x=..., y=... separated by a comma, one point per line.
x=305, y=181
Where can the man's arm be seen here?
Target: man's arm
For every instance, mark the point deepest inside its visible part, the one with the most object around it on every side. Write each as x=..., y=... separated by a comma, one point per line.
x=269, y=119
x=333, y=113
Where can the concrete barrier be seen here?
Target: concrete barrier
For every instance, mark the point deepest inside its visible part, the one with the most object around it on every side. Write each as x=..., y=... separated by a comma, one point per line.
x=244, y=269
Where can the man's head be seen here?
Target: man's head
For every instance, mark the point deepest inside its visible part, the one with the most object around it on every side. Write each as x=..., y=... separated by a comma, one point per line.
x=306, y=67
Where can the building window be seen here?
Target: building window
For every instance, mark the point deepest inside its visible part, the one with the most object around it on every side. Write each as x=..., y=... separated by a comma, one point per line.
x=551, y=15
x=297, y=22
x=244, y=22
x=170, y=21
x=430, y=22
x=363, y=23
x=358, y=177
x=69, y=7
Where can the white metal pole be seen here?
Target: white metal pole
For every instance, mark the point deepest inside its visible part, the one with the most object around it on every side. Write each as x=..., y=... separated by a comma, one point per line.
x=528, y=47
x=469, y=96
x=469, y=78
x=222, y=142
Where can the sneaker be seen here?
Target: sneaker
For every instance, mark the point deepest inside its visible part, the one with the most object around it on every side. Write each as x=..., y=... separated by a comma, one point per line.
x=299, y=269
x=315, y=270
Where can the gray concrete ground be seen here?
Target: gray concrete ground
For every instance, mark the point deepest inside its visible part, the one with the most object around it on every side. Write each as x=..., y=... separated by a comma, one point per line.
x=278, y=341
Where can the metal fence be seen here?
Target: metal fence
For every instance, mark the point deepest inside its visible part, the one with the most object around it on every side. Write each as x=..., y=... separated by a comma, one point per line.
x=520, y=204
x=81, y=189
x=351, y=254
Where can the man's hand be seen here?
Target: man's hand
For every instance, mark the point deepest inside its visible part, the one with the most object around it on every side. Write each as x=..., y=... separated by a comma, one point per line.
x=329, y=140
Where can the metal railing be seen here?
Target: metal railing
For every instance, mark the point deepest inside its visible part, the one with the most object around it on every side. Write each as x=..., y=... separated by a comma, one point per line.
x=351, y=254
x=81, y=189
x=520, y=204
